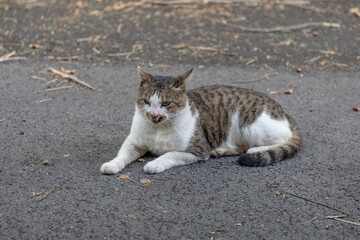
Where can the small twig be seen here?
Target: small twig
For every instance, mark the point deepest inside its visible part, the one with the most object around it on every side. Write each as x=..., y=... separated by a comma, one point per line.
x=210, y=49
x=286, y=28
x=8, y=57
x=314, y=218
x=187, y=2
x=345, y=221
x=201, y=48
x=74, y=58
x=38, y=78
x=121, y=6
x=42, y=197
x=266, y=76
x=58, y=88
x=47, y=83
x=1, y=120
x=314, y=59
x=326, y=52
x=318, y=203
x=270, y=68
x=126, y=54
x=311, y=8
x=43, y=100
x=338, y=216
x=67, y=76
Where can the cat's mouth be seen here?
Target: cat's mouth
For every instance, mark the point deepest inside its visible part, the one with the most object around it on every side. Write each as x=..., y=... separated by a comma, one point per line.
x=156, y=118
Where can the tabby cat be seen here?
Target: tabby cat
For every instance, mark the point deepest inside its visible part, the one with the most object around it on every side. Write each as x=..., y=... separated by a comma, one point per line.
x=183, y=127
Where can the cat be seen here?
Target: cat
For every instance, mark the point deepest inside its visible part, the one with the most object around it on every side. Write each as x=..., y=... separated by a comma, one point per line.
x=183, y=127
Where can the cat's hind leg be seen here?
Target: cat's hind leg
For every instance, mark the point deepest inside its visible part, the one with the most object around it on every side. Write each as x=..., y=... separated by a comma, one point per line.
x=226, y=151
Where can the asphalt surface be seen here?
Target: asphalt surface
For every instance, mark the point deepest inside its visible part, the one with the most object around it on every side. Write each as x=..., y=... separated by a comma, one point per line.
x=78, y=129
x=117, y=32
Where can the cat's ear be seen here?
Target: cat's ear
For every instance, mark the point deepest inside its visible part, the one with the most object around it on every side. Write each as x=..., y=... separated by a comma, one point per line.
x=183, y=78
x=144, y=76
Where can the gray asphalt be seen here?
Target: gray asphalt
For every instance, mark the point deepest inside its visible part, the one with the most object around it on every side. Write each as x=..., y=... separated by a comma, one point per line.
x=77, y=130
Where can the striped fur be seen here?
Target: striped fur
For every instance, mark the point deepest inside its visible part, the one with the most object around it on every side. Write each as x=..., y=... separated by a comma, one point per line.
x=276, y=154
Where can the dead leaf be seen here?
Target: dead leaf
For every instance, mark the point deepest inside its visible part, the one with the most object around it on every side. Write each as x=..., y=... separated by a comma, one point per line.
x=217, y=231
x=67, y=155
x=141, y=160
x=79, y=4
x=289, y=91
x=35, y=46
x=355, y=11
x=315, y=34
x=145, y=181
x=323, y=62
x=238, y=224
x=356, y=108
x=277, y=192
x=287, y=42
x=123, y=176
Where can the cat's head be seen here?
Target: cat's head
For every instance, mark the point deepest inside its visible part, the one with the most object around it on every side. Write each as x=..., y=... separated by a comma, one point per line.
x=161, y=98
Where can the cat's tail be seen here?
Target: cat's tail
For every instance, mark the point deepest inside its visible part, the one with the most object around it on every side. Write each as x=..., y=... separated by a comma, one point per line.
x=277, y=153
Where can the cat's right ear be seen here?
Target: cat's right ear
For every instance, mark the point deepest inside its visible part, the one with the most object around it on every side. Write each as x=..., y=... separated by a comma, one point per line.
x=144, y=76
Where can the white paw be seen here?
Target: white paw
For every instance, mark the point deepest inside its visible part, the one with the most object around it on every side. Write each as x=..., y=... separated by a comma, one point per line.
x=110, y=168
x=155, y=167
x=218, y=152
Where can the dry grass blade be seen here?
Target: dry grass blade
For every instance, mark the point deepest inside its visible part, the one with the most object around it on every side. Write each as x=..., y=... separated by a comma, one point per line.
x=286, y=28
x=127, y=55
x=187, y=2
x=38, y=78
x=314, y=59
x=43, y=100
x=70, y=59
x=122, y=6
x=326, y=52
x=8, y=57
x=346, y=221
x=266, y=76
x=210, y=49
x=313, y=219
x=69, y=77
x=58, y=88
x=318, y=203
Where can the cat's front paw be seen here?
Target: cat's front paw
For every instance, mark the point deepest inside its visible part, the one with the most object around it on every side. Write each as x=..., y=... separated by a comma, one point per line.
x=110, y=168
x=154, y=167
x=218, y=152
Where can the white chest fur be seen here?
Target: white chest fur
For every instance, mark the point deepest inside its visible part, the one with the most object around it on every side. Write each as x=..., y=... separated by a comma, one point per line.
x=172, y=135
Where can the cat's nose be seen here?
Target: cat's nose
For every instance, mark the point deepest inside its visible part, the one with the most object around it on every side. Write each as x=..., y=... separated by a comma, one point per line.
x=156, y=118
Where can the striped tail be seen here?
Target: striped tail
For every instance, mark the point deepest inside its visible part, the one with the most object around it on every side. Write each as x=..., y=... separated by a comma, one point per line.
x=275, y=154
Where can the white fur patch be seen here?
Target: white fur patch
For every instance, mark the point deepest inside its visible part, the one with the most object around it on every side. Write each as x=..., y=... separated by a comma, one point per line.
x=173, y=134
x=155, y=106
x=264, y=131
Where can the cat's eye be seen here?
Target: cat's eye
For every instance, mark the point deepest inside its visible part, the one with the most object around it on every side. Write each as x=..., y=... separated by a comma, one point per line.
x=146, y=102
x=165, y=104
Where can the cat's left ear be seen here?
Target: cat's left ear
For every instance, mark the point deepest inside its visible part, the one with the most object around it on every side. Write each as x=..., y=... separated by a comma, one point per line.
x=144, y=76
x=183, y=78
